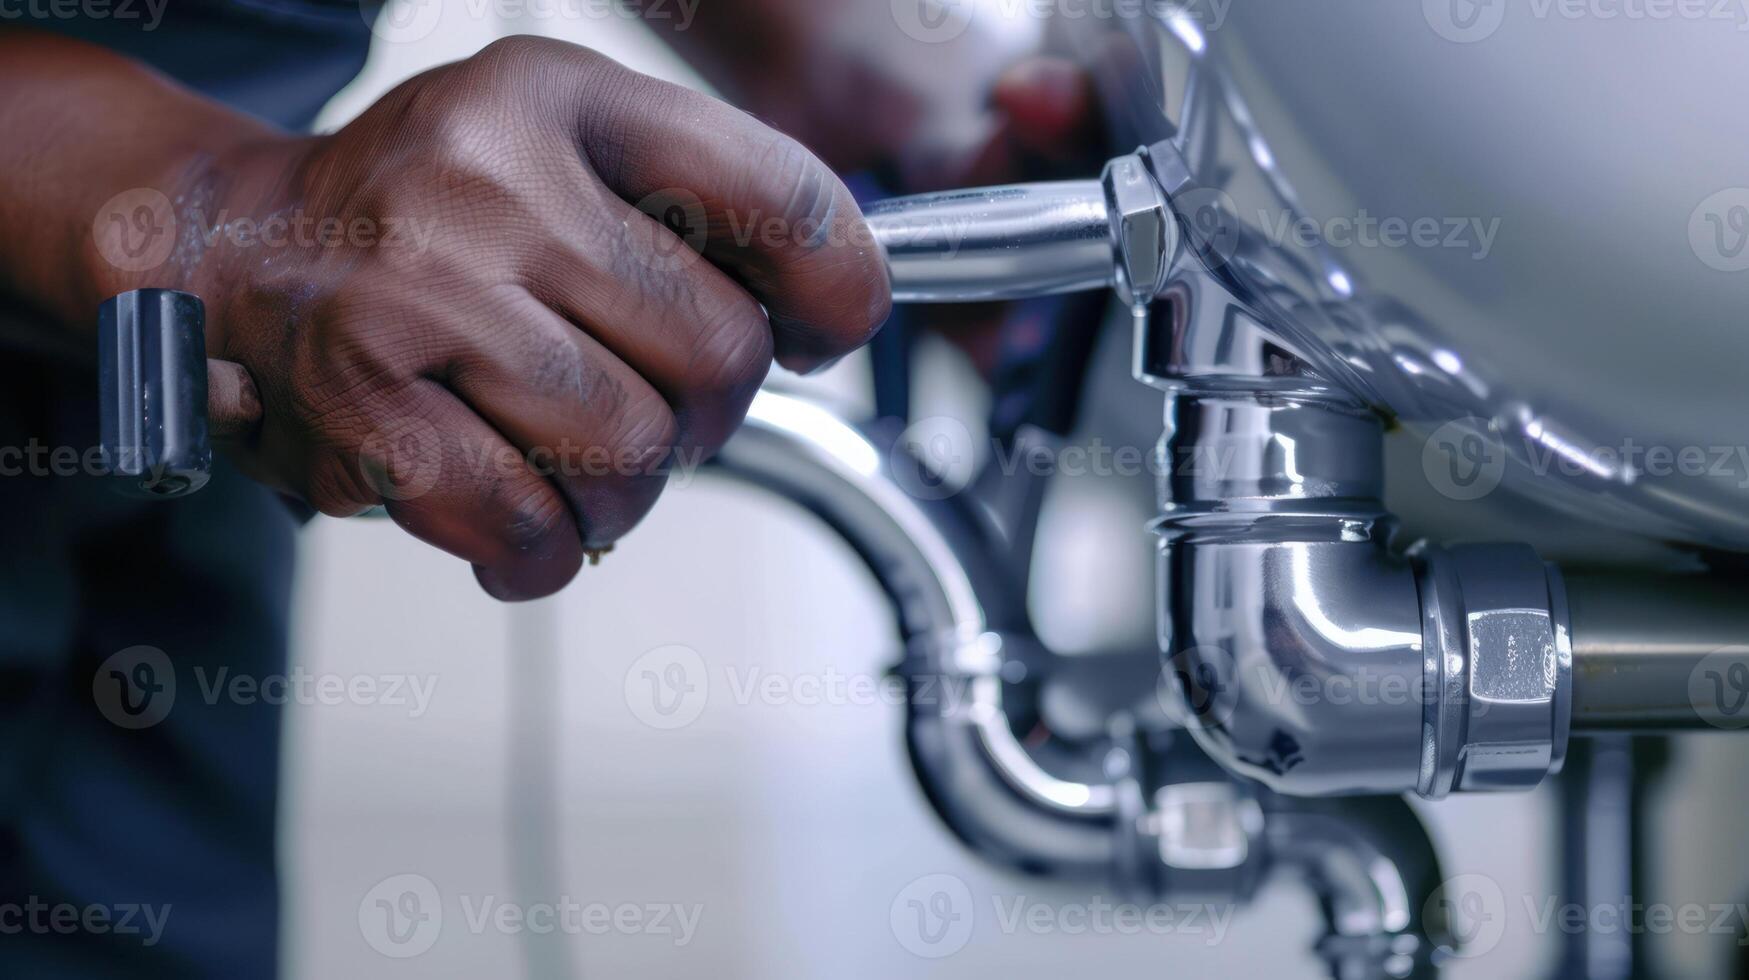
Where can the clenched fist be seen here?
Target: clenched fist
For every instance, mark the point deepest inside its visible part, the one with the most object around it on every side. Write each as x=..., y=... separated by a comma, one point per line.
x=511, y=296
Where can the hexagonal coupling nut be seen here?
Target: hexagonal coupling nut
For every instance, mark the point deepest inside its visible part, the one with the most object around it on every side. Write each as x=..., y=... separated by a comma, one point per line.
x=1498, y=662
x=1143, y=229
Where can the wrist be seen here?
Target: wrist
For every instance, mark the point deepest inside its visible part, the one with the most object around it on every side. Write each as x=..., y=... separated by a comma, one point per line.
x=187, y=226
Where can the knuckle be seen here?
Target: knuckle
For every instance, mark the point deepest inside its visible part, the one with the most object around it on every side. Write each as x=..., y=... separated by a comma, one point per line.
x=515, y=49
x=643, y=255
x=528, y=64
x=610, y=501
x=607, y=117
x=827, y=256
x=558, y=367
x=799, y=185
x=534, y=515
x=342, y=370
x=643, y=435
x=467, y=148
x=731, y=359
x=335, y=490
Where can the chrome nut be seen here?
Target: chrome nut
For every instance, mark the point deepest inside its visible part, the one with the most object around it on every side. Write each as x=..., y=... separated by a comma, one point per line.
x=1143, y=230
x=1499, y=665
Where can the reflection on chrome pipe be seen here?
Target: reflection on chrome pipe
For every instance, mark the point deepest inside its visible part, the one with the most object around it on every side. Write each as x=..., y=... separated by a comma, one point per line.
x=1312, y=657
x=958, y=613
x=996, y=242
x=1376, y=874
x=1368, y=860
x=1023, y=240
x=1659, y=652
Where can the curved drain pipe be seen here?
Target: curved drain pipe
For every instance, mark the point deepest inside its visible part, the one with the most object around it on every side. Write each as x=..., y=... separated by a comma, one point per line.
x=959, y=617
x=963, y=620
x=1374, y=871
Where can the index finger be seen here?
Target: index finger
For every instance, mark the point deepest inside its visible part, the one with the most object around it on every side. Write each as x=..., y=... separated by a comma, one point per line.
x=772, y=214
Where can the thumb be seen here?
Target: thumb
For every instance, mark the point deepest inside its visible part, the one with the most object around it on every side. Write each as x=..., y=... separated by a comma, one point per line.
x=233, y=405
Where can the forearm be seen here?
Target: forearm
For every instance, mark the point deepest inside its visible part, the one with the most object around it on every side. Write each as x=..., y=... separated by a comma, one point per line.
x=102, y=163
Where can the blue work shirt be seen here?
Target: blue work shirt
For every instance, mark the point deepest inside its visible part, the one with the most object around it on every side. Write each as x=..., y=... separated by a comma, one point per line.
x=159, y=836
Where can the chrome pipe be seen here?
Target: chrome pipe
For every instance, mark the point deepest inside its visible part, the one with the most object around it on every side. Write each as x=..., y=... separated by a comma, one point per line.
x=997, y=243
x=960, y=619
x=1373, y=867
x=1659, y=653
x=1310, y=655
x=1368, y=861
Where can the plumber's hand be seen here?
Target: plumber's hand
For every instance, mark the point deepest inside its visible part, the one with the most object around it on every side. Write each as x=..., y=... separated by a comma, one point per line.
x=496, y=342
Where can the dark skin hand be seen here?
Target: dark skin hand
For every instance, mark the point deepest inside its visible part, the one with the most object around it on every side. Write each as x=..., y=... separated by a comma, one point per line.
x=454, y=306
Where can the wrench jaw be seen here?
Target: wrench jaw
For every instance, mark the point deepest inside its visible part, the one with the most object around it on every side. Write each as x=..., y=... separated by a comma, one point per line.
x=152, y=386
